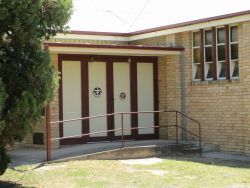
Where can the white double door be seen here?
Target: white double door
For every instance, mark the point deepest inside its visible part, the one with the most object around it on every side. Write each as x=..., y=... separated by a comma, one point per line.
x=97, y=92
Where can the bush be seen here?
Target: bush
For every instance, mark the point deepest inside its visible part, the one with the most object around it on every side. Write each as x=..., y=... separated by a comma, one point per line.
x=4, y=160
x=3, y=96
x=28, y=80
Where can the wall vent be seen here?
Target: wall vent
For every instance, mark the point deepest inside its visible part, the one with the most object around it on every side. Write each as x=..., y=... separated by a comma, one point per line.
x=38, y=138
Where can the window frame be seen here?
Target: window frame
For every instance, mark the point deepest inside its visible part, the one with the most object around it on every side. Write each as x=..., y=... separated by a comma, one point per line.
x=227, y=61
x=217, y=53
x=230, y=46
x=193, y=63
x=204, y=51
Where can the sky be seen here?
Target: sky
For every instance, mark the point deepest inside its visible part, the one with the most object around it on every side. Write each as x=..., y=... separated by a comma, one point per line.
x=133, y=15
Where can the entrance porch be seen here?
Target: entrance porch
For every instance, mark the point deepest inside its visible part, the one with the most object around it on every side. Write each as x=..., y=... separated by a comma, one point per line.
x=105, y=79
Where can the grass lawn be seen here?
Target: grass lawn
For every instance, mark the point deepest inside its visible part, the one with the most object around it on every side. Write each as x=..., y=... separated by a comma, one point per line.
x=165, y=172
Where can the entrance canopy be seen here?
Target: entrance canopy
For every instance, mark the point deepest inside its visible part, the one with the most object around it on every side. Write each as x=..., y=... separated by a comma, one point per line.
x=127, y=50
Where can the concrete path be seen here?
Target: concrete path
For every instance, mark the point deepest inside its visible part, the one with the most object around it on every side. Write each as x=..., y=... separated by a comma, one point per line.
x=226, y=156
x=24, y=156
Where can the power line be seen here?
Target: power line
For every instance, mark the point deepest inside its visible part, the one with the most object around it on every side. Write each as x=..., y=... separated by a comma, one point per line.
x=138, y=15
x=118, y=17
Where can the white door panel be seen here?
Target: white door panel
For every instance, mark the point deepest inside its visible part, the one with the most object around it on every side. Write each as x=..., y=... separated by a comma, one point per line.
x=71, y=84
x=121, y=73
x=145, y=89
x=97, y=105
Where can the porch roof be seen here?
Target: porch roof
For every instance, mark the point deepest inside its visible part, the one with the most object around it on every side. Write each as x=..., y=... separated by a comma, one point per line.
x=131, y=50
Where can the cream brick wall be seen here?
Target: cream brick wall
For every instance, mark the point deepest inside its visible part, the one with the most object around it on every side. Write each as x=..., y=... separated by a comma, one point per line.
x=156, y=41
x=162, y=84
x=28, y=141
x=244, y=62
x=221, y=106
x=54, y=106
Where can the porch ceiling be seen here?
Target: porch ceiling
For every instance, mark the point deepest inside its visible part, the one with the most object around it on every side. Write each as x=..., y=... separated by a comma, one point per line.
x=129, y=50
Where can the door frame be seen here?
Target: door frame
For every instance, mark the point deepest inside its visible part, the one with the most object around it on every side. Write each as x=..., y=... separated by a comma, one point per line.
x=132, y=60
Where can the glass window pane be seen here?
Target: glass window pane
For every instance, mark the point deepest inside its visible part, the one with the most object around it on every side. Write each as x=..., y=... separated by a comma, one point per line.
x=234, y=51
x=196, y=39
x=221, y=53
x=234, y=34
x=221, y=35
x=222, y=73
x=208, y=54
x=196, y=52
x=208, y=37
x=197, y=69
x=235, y=69
x=209, y=70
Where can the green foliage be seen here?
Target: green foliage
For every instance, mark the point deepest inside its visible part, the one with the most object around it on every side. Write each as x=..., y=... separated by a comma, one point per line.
x=25, y=67
x=4, y=160
x=3, y=96
x=27, y=74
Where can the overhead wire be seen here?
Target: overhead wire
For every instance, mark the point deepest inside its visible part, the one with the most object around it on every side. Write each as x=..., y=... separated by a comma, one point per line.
x=138, y=15
x=118, y=17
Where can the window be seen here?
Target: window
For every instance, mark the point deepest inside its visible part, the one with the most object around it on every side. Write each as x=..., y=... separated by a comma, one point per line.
x=208, y=60
x=196, y=56
x=234, y=67
x=215, y=53
x=221, y=54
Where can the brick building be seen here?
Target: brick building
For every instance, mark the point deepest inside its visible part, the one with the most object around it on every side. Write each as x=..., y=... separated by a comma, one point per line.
x=201, y=68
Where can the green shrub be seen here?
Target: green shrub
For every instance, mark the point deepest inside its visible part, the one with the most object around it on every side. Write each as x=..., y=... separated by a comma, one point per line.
x=28, y=80
x=4, y=160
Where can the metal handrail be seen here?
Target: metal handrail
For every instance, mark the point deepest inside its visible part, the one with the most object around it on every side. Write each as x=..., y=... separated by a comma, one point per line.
x=49, y=123
x=103, y=115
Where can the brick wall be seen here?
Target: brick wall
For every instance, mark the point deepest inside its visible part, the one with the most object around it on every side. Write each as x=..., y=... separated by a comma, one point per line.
x=244, y=64
x=168, y=41
x=221, y=106
x=54, y=107
x=28, y=141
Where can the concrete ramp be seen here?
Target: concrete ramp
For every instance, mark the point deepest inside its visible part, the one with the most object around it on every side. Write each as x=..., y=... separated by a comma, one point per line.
x=105, y=150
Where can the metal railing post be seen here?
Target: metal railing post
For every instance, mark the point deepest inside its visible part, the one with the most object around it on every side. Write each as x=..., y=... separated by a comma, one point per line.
x=48, y=132
x=176, y=127
x=122, y=130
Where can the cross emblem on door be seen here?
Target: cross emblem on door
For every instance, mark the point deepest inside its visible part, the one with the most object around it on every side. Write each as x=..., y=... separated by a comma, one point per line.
x=97, y=92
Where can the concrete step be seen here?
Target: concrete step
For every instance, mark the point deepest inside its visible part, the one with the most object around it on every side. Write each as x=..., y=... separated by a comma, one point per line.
x=185, y=148
x=193, y=150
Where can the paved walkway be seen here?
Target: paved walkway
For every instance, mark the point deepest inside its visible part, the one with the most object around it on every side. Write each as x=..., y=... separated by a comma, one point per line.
x=24, y=156
x=227, y=156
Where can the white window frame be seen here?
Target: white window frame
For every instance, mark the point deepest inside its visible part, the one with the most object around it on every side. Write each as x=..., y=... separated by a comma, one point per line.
x=217, y=54
x=193, y=63
x=230, y=44
x=204, y=51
